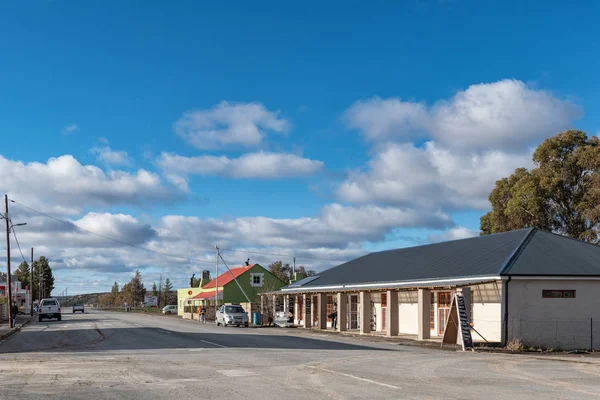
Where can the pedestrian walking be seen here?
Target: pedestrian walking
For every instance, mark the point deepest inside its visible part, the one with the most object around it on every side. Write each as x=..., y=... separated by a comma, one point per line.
x=15, y=312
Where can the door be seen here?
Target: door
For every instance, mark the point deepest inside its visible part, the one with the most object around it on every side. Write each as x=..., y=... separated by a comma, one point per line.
x=315, y=313
x=353, y=311
x=444, y=299
x=383, y=311
x=300, y=313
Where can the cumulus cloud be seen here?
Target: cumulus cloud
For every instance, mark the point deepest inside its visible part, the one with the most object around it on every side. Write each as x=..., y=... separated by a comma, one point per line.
x=261, y=165
x=71, y=128
x=112, y=157
x=228, y=124
x=458, y=232
x=336, y=226
x=503, y=115
x=44, y=231
x=64, y=186
x=429, y=177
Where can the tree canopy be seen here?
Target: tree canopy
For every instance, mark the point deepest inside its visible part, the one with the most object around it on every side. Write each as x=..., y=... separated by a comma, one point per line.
x=285, y=271
x=560, y=194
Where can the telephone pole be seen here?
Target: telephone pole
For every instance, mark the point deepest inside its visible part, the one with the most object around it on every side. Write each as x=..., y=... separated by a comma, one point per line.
x=8, y=282
x=31, y=284
x=217, y=284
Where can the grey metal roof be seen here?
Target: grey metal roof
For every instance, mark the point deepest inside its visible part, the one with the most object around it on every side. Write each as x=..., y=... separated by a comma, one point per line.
x=478, y=256
x=548, y=254
x=301, y=282
x=520, y=252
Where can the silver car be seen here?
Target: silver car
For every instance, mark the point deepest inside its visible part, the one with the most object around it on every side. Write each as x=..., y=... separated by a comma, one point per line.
x=232, y=315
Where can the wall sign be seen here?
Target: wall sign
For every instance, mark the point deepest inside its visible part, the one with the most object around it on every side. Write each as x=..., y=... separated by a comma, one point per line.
x=558, y=294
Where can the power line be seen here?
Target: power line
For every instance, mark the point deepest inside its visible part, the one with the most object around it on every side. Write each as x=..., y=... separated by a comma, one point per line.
x=110, y=238
x=166, y=254
x=18, y=245
x=283, y=255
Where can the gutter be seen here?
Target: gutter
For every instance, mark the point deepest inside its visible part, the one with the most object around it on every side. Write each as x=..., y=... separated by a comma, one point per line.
x=506, y=311
x=466, y=281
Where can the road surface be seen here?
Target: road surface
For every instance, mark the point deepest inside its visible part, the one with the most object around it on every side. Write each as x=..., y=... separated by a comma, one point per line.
x=111, y=355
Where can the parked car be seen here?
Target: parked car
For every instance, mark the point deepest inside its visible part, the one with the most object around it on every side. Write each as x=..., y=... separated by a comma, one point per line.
x=49, y=308
x=232, y=315
x=168, y=310
x=78, y=307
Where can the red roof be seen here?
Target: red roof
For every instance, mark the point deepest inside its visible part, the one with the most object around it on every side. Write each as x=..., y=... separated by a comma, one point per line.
x=205, y=295
x=226, y=277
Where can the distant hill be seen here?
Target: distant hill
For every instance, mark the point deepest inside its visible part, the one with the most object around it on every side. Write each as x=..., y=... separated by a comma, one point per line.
x=88, y=298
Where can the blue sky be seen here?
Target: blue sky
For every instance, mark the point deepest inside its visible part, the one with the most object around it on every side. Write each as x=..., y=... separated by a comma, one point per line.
x=344, y=84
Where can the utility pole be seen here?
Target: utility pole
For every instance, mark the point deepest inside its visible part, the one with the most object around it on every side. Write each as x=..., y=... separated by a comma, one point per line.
x=31, y=283
x=217, y=284
x=294, y=270
x=8, y=283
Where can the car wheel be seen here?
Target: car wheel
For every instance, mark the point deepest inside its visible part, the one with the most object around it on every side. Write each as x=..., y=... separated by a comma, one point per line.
x=168, y=313
x=245, y=325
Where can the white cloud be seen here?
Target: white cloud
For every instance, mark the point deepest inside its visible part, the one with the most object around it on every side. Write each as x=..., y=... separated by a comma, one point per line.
x=112, y=157
x=458, y=232
x=64, y=186
x=430, y=177
x=504, y=115
x=227, y=124
x=252, y=165
x=335, y=227
x=71, y=128
x=50, y=233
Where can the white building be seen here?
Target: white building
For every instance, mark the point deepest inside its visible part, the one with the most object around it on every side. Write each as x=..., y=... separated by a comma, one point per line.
x=528, y=284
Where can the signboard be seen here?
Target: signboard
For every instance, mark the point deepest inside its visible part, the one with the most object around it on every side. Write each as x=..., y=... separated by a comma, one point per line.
x=151, y=301
x=457, y=325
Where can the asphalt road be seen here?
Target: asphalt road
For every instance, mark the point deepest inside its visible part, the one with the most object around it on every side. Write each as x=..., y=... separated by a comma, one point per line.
x=100, y=355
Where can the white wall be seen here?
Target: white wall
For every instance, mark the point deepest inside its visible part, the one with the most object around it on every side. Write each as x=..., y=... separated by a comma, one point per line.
x=560, y=323
x=408, y=312
x=487, y=312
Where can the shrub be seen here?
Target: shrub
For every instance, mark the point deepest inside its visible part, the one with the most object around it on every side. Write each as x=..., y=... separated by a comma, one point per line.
x=515, y=344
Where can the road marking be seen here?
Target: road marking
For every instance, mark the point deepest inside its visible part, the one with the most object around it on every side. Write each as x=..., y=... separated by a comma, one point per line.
x=355, y=377
x=214, y=344
x=138, y=325
x=233, y=373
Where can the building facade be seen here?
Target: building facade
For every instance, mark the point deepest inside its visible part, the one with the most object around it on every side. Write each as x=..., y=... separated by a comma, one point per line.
x=525, y=284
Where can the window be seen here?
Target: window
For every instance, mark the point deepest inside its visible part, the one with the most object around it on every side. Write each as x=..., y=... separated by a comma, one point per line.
x=558, y=294
x=257, y=280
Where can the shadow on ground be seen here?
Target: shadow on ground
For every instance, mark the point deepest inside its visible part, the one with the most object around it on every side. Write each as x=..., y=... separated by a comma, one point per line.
x=147, y=338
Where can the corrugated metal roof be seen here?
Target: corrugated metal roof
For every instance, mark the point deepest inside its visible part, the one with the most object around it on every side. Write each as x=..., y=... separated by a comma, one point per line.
x=301, y=282
x=478, y=256
x=548, y=254
x=227, y=277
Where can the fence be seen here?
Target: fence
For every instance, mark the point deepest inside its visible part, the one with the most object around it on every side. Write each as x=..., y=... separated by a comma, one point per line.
x=560, y=334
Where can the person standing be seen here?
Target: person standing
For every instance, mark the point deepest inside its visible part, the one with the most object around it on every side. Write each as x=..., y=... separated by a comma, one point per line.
x=203, y=314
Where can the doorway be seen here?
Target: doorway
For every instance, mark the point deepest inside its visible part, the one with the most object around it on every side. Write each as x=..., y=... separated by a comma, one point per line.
x=444, y=299
x=353, y=311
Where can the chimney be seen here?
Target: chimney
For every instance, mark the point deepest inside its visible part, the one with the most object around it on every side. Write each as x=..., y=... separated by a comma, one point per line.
x=247, y=262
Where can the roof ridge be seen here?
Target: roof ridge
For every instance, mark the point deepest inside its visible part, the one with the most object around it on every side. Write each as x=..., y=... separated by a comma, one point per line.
x=568, y=237
x=451, y=241
x=518, y=251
